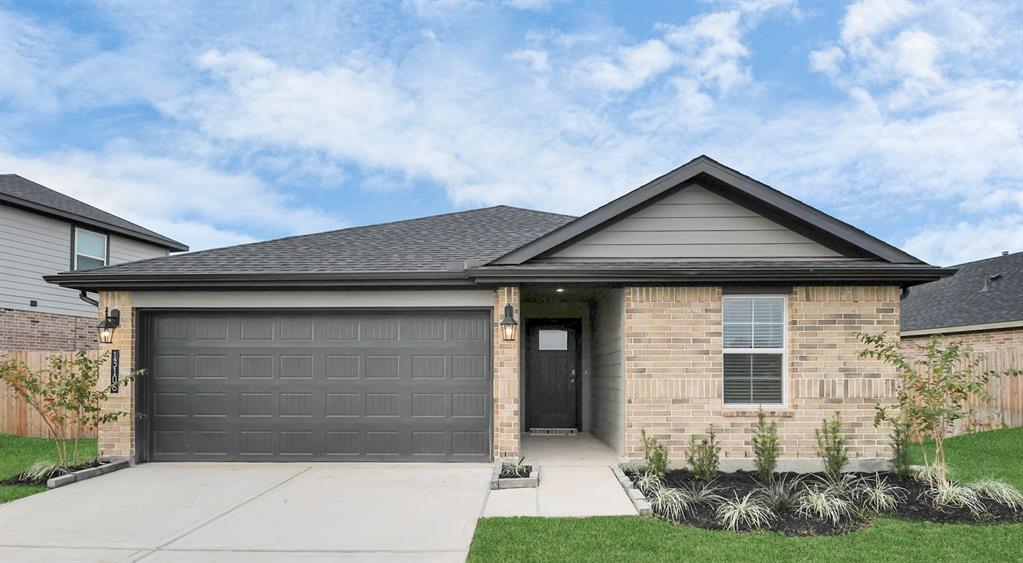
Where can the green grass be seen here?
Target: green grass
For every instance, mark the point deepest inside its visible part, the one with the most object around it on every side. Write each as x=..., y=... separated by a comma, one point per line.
x=18, y=454
x=998, y=453
x=990, y=454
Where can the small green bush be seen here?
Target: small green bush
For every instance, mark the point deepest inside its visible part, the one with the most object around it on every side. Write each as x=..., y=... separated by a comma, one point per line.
x=670, y=504
x=949, y=494
x=900, y=448
x=656, y=455
x=823, y=504
x=766, y=448
x=831, y=446
x=782, y=495
x=703, y=456
x=648, y=482
x=878, y=495
x=1000, y=492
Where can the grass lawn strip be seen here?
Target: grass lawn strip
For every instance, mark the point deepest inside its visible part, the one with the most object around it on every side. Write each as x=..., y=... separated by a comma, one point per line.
x=17, y=454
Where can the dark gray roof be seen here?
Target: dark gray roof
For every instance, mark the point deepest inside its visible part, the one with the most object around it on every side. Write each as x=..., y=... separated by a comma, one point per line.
x=24, y=193
x=961, y=300
x=428, y=244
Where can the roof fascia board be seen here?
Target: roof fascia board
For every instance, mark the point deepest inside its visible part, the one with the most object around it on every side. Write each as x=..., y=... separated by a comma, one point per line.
x=168, y=243
x=824, y=227
x=963, y=328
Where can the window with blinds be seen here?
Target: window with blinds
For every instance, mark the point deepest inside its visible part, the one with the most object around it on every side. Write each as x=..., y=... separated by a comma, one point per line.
x=754, y=349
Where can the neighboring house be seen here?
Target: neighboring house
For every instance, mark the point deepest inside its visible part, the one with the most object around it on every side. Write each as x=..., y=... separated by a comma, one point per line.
x=43, y=232
x=980, y=306
x=688, y=302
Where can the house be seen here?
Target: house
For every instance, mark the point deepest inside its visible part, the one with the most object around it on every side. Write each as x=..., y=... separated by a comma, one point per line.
x=690, y=301
x=43, y=232
x=980, y=306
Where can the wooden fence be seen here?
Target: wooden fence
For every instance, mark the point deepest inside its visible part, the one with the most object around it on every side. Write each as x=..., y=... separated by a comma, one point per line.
x=16, y=416
x=1006, y=407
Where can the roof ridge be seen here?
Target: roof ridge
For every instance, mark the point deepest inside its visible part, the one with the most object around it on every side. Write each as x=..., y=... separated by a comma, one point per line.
x=986, y=259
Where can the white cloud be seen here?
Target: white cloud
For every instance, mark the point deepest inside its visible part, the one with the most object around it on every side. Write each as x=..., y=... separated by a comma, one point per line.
x=189, y=202
x=535, y=59
x=630, y=68
x=713, y=51
x=827, y=60
x=1004, y=199
x=965, y=242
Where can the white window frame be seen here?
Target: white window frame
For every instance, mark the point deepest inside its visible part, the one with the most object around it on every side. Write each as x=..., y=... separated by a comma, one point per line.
x=75, y=252
x=784, y=350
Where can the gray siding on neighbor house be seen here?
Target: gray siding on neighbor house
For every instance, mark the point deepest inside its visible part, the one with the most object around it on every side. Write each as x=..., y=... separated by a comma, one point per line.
x=33, y=245
x=694, y=223
x=608, y=391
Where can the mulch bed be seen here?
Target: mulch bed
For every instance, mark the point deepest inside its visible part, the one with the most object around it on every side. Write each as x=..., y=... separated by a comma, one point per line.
x=19, y=480
x=508, y=473
x=916, y=506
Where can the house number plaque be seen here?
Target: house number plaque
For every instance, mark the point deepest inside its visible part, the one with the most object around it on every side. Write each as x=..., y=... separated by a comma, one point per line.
x=115, y=371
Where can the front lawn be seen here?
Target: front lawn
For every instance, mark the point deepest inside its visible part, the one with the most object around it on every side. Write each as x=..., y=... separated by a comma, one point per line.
x=990, y=454
x=18, y=454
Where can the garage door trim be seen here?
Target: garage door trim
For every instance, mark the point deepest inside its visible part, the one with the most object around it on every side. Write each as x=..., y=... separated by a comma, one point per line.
x=143, y=386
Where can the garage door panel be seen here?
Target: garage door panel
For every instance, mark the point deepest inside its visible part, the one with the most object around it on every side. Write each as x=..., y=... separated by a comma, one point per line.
x=328, y=386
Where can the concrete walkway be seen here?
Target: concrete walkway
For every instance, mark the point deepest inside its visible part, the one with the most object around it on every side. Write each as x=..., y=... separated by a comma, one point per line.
x=575, y=480
x=253, y=512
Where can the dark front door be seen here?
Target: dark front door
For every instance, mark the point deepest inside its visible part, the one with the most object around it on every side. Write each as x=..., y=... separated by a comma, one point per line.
x=551, y=383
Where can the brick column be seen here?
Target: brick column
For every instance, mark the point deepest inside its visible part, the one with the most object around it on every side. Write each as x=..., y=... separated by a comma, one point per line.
x=506, y=377
x=117, y=439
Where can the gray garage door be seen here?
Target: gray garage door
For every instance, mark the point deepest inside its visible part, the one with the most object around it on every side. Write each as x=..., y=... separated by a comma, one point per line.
x=331, y=386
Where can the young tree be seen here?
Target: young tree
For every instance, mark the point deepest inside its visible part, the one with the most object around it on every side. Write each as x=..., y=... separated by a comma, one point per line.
x=67, y=396
x=935, y=391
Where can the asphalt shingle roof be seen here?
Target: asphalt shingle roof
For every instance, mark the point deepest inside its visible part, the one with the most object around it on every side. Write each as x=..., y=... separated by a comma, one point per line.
x=23, y=192
x=428, y=244
x=960, y=300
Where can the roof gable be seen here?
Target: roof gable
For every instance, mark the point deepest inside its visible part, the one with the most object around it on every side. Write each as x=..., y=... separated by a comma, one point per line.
x=815, y=226
x=26, y=194
x=693, y=223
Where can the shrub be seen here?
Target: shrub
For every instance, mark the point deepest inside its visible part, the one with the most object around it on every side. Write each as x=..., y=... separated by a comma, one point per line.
x=766, y=448
x=823, y=504
x=831, y=445
x=842, y=484
x=878, y=495
x=781, y=495
x=1000, y=492
x=648, y=482
x=932, y=473
x=656, y=455
x=936, y=390
x=747, y=513
x=41, y=471
x=705, y=494
x=515, y=468
x=949, y=494
x=899, y=442
x=67, y=397
x=670, y=504
x=703, y=456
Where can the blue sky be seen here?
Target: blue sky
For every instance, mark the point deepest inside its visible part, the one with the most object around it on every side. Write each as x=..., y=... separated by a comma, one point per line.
x=229, y=122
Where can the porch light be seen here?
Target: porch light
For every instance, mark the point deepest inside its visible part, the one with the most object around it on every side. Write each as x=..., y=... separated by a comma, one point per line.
x=509, y=326
x=560, y=290
x=111, y=320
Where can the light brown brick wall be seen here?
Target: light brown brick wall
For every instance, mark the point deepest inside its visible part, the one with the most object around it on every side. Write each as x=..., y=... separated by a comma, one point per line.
x=35, y=330
x=981, y=341
x=673, y=369
x=506, y=377
x=117, y=439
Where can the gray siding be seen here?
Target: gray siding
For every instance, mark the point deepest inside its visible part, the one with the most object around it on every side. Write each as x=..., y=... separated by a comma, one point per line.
x=695, y=223
x=32, y=246
x=608, y=391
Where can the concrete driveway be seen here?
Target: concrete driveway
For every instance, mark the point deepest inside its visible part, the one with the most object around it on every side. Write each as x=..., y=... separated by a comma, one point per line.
x=252, y=512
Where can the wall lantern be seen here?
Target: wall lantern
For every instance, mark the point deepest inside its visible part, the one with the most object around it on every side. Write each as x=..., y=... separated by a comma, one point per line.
x=509, y=326
x=111, y=320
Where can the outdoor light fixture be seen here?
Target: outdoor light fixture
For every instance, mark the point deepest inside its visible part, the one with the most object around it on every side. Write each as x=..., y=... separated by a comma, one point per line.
x=509, y=326
x=560, y=290
x=111, y=320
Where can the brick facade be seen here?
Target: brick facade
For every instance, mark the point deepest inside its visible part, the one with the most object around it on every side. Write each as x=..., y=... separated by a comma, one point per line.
x=673, y=366
x=35, y=330
x=980, y=341
x=117, y=439
x=506, y=377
